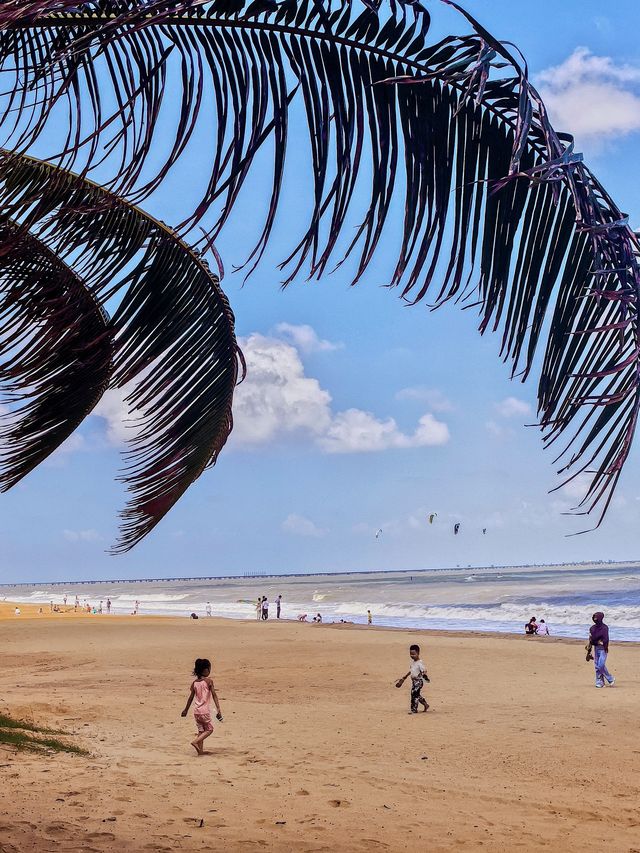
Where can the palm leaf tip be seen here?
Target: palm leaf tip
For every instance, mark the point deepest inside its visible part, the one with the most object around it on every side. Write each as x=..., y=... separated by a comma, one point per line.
x=500, y=210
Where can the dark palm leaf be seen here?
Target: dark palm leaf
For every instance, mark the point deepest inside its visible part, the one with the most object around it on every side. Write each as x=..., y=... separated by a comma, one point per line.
x=55, y=353
x=174, y=348
x=499, y=210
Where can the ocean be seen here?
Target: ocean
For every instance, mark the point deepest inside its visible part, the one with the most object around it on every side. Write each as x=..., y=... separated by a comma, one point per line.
x=479, y=599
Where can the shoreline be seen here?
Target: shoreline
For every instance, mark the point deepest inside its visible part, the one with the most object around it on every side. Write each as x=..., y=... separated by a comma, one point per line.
x=30, y=612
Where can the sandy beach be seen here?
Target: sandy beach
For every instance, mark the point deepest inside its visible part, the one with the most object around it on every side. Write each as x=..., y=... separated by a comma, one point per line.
x=316, y=752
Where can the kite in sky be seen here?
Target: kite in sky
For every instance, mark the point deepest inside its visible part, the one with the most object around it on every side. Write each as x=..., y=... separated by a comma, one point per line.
x=378, y=533
x=456, y=527
x=432, y=516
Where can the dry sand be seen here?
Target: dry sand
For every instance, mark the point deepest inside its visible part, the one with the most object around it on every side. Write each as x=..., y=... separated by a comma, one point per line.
x=316, y=752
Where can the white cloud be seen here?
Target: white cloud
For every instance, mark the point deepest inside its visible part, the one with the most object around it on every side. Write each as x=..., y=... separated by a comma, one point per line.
x=592, y=97
x=301, y=526
x=114, y=411
x=512, y=407
x=305, y=338
x=577, y=488
x=355, y=431
x=81, y=535
x=276, y=398
x=434, y=398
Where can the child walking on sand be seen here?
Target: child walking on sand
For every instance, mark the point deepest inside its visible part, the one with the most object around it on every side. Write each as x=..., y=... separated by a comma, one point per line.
x=418, y=673
x=202, y=690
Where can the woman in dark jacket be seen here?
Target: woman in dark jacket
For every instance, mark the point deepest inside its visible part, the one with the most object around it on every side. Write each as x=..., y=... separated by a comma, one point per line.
x=599, y=644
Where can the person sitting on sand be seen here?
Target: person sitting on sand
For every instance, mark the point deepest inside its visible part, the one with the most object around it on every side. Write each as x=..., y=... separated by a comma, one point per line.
x=16, y=612
x=531, y=627
x=317, y=618
x=543, y=629
x=418, y=673
x=202, y=690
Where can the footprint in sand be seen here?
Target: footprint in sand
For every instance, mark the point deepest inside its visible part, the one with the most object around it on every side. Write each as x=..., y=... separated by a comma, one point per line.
x=302, y=793
x=338, y=803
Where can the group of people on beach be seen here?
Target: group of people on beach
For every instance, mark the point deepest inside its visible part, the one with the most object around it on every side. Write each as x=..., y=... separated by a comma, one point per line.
x=540, y=629
x=262, y=607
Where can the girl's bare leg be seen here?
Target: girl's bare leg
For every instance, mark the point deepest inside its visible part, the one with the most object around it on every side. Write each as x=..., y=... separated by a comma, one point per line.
x=197, y=743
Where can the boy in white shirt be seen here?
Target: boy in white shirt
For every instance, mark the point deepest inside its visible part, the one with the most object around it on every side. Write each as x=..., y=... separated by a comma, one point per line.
x=418, y=673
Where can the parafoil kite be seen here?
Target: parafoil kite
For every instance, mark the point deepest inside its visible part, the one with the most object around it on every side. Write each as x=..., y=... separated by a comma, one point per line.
x=432, y=516
x=484, y=529
x=456, y=527
x=379, y=533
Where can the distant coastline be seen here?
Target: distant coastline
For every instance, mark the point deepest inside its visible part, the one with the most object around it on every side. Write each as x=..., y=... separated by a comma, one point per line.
x=259, y=576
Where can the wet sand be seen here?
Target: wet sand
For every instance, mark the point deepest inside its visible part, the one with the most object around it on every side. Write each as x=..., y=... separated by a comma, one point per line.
x=317, y=752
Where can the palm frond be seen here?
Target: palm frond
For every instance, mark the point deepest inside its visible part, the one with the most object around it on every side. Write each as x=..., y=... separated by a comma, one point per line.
x=174, y=348
x=55, y=353
x=499, y=210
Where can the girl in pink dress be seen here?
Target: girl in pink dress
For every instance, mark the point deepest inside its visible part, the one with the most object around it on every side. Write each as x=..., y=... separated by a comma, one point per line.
x=202, y=691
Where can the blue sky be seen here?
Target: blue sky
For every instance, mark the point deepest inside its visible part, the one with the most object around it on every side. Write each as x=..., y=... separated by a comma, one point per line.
x=360, y=413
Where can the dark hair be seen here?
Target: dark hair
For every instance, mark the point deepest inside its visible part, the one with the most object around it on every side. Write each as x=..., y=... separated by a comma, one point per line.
x=542, y=620
x=533, y=619
x=414, y=648
x=200, y=665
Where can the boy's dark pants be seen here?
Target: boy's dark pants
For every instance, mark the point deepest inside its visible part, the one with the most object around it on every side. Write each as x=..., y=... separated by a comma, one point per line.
x=416, y=686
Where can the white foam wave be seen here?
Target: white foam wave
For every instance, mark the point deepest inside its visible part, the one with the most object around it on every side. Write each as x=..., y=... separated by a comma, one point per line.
x=153, y=597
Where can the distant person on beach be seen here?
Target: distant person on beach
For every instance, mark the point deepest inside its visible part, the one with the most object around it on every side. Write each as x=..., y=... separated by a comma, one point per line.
x=16, y=612
x=531, y=627
x=65, y=600
x=108, y=605
x=543, y=629
x=265, y=607
x=100, y=608
x=76, y=604
x=208, y=608
x=599, y=645
x=418, y=673
x=278, y=606
x=259, y=608
x=369, y=618
x=302, y=617
x=136, y=606
x=203, y=691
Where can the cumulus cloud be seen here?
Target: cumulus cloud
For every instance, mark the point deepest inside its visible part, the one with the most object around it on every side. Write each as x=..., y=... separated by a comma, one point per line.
x=434, y=398
x=120, y=426
x=81, y=535
x=512, y=407
x=355, y=431
x=305, y=338
x=301, y=526
x=592, y=97
x=277, y=400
